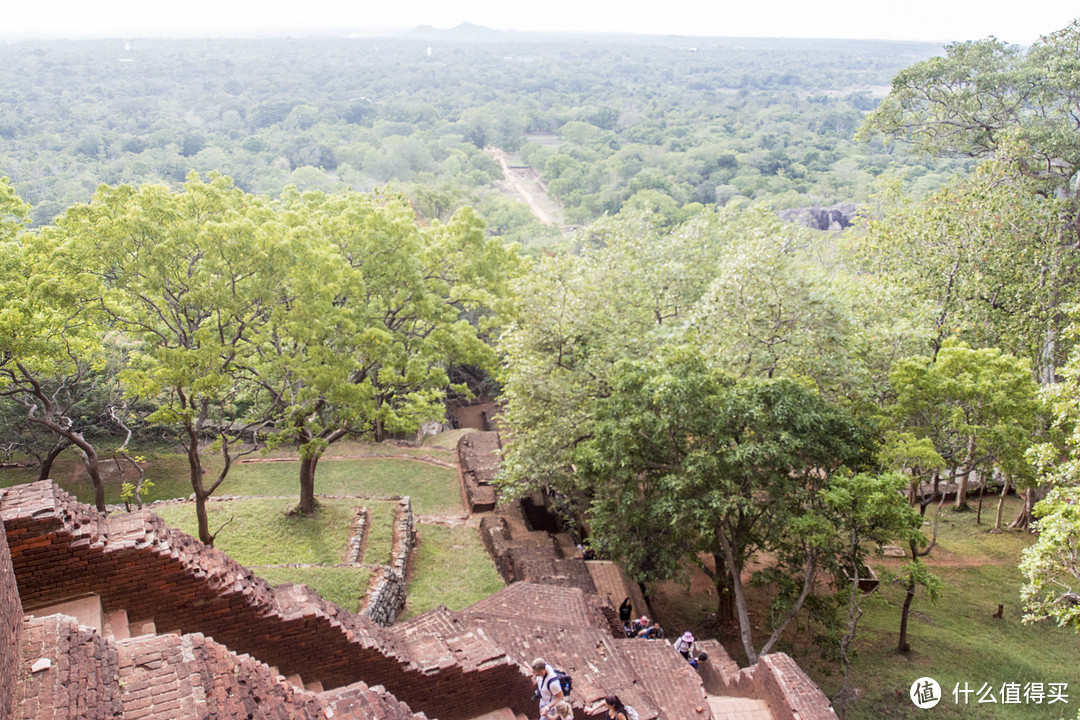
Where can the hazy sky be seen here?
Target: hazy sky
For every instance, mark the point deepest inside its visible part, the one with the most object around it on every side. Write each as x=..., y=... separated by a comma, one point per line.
x=938, y=20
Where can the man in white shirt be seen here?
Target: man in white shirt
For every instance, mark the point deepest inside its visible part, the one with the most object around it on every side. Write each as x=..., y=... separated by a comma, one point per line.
x=548, y=687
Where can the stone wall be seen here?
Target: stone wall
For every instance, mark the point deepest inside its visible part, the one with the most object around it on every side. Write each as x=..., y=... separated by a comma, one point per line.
x=776, y=679
x=68, y=671
x=10, y=629
x=62, y=549
x=479, y=462
x=386, y=593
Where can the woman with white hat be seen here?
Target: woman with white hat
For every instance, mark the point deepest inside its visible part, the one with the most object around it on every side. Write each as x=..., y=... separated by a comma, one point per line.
x=685, y=644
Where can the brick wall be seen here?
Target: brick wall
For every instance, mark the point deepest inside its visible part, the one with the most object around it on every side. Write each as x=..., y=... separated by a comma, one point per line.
x=776, y=679
x=76, y=673
x=61, y=548
x=10, y=630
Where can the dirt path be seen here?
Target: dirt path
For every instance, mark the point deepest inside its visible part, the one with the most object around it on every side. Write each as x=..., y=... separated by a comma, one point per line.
x=524, y=192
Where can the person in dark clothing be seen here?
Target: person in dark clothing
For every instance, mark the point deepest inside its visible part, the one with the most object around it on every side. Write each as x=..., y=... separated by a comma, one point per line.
x=624, y=611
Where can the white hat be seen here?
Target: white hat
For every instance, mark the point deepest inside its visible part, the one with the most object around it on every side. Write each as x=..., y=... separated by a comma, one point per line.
x=688, y=637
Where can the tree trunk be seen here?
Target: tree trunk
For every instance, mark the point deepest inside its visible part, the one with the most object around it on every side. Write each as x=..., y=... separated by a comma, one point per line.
x=307, y=484
x=903, y=646
x=1023, y=520
x=982, y=491
x=1001, y=505
x=195, y=475
x=93, y=469
x=840, y=700
x=809, y=573
x=308, y=464
x=89, y=454
x=745, y=631
x=47, y=463
x=725, y=595
x=962, y=483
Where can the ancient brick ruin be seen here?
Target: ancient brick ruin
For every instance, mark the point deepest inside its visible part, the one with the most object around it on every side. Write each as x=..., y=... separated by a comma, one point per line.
x=167, y=628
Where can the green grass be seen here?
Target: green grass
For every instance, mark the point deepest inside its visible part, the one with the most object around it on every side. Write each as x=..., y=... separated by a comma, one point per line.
x=167, y=469
x=447, y=440
x=450, y=568
x=345, y=587
x=380, y=533
x=262, y=532
x=432, y=488
x=956, y=640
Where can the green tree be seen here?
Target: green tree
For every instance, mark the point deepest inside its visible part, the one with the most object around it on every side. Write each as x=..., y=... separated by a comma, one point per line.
x=189, y=276
x=1051, y=566
x=684, y=460
x=49, y=344
x=368, y=330
x=866, y=510
x=976, y=406
x=987, y=99
x=981, y=260
x=574, y=316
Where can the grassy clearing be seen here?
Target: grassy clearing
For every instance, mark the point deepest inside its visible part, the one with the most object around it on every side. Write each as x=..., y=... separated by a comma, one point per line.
x=450, y=568
x=957, y=639
x=262, y=532
x=167, y=469
x=446, y=441
x=345, y=587
x=433, y=489
x=380, y=533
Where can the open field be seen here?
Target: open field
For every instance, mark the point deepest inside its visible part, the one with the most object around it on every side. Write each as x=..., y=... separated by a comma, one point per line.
x=349, y=468
x=261, y=531
x=450, y=568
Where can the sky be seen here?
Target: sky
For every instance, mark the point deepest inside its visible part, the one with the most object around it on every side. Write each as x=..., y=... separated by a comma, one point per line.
x=934, y=20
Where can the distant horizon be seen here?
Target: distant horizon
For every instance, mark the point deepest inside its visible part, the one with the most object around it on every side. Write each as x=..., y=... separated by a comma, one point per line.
x=404, y=33
x=924, y=21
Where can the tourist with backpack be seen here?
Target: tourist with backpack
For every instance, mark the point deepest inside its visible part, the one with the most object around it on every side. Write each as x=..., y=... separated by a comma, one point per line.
x=652, y=631
x=616, y=710
x=549, y=687
x=685, y=645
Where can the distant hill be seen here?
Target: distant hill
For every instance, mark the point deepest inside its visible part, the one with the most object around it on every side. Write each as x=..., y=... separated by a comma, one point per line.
x=465, y=32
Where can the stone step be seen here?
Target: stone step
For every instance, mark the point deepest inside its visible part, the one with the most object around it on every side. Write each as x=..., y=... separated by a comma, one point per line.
x=143, y=627
x=738, y=708
x=116, y=625
x=500, y=714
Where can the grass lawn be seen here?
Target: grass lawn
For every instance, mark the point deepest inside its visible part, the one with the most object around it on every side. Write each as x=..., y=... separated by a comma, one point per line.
x=956, y=640
x=433, y=489
x=345, y=587
x=450, y=568
x=262, y=532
